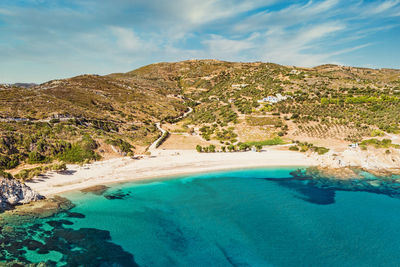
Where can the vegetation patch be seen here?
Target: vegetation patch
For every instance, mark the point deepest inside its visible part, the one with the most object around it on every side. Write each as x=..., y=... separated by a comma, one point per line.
x=162, y=139
x=304, y=147
x=262, y=121
x=121, y=144
x=28, y=174
x=384, y=143
x=269, y=142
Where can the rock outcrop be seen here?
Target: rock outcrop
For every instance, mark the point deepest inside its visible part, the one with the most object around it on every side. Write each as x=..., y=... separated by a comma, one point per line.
x=13, y=192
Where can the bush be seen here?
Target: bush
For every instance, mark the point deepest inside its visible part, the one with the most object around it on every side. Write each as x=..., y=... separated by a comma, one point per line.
x=377, y=132
x=88, y=143
x=162, y=139
x=244, y=146
x=5, y=175
x=121, y=144
x=211, y=148
x=78, y=154
x=294, y=148
x=35, y=157
x=321, y=150
x=8, y=163
x=199, y=148
x=258, y=147
x=384, y=143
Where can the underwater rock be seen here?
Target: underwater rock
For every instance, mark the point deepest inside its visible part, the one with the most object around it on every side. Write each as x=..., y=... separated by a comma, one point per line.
x=97, y=189
x=38, y=209
x=117, y=195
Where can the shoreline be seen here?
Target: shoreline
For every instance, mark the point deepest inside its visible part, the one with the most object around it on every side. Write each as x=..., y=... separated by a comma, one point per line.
x=161, y=178
x=168, y=164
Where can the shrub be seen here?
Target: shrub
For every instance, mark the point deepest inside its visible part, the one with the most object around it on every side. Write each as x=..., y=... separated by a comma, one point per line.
x=121, y=144
x=88, y=143
x=78, y=154
x=294, y=148
x=5, y=175
x=8, y=163
x=377, y=132
x=199, y=148
x=162, y=139
x=384, y=143
x=211, y=148
x=321, y=150
x=35, y=157
x=258, y=147
x=231, y=148
x=244, y=146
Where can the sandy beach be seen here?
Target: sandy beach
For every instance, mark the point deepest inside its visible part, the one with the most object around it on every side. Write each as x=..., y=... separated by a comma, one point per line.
x=162, y=163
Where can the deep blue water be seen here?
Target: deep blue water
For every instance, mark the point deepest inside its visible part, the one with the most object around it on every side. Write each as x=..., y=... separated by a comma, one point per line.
x=238, y=218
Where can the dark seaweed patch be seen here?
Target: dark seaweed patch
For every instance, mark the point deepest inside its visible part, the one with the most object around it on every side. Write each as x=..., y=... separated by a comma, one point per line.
x=117, y=195
x=322, y=191
x=82, y=247
x=307, y=191
x=75, y=215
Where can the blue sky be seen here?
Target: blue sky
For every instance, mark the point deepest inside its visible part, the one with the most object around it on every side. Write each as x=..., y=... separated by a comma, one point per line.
x=42, y=40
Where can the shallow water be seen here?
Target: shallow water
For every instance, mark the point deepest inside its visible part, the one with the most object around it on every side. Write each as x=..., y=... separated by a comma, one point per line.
x=239, y=218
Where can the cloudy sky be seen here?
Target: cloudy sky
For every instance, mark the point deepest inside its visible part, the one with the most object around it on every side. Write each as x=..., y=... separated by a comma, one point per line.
x=42, y=40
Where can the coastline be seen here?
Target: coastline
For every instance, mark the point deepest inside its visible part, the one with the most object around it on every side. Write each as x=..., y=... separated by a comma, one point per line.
x=163, y=164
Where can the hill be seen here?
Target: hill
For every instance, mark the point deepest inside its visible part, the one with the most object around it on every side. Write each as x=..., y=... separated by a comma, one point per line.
x=81, y=118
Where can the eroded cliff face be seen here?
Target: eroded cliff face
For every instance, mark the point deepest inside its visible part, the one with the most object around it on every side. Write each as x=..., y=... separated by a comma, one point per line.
x=13, y=192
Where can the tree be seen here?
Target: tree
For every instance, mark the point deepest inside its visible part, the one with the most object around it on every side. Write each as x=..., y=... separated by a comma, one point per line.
x=211, y=148
x=199, y=148
x=35, y=157
x=258, y=147
x=231, y=148
x=243, y=146
x=223, y=148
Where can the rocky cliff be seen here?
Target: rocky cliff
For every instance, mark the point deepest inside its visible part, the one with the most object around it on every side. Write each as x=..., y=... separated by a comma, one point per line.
x=12, y=193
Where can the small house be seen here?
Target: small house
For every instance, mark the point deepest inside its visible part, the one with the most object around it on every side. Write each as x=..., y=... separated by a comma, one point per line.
x=354, y=145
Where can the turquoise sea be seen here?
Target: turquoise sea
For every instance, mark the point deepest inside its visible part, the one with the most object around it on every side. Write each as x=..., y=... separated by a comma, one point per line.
x=258, y=217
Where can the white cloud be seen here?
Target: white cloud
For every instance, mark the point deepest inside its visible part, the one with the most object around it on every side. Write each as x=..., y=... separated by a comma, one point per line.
x=377, y=8
x=300, y=47
x=292, y=15
x=221, y=47
x=127, y=39
x=119, y=35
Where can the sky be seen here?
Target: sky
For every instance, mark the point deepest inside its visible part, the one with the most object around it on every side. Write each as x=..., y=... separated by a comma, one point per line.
x=41, y=40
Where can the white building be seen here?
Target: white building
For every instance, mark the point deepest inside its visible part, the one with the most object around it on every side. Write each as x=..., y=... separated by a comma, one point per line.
x=355, y=145
x=274, y=99
x=294, y=72
x=269, y=99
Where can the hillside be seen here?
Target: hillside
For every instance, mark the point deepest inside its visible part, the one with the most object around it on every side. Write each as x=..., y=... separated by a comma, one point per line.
x=325, y=102
x=89, y=116
x=79, y=119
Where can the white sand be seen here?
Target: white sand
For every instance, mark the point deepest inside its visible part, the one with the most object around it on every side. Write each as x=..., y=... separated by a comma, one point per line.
x=164, y=163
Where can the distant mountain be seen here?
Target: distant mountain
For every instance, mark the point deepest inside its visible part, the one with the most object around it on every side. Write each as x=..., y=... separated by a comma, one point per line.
x=24, y=85
x=21, y=85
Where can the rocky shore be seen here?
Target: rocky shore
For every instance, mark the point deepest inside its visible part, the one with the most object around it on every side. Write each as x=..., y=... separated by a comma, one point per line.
x=326, y=181
x=347, y=173
x=13, y=193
